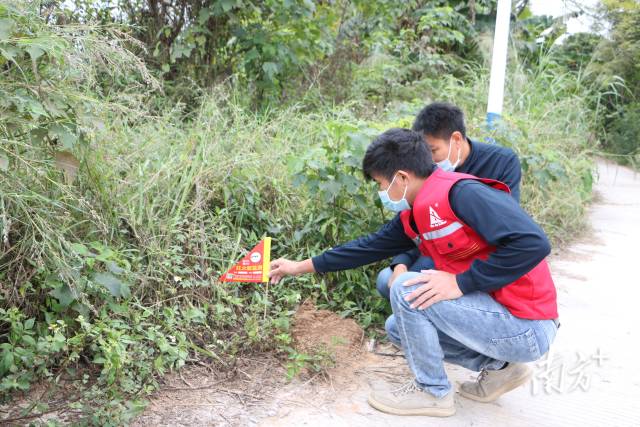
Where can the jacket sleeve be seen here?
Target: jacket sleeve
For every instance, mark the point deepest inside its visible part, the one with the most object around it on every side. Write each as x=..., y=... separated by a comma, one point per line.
x=407, y=258
x=388, y=241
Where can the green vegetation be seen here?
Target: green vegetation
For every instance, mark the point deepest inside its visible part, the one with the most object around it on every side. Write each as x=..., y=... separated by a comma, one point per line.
x=608, y=65
x=137, y=163
x=615, y=72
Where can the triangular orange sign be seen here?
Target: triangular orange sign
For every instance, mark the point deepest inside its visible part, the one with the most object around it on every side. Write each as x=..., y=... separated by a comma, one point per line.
x=254, y=267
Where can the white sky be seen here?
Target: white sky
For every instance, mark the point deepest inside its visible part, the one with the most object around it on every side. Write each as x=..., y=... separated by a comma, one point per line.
x=561, y=7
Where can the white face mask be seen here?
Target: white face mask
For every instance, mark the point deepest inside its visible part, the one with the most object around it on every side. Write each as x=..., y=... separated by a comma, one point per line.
x=446, y=165
x=394, y=205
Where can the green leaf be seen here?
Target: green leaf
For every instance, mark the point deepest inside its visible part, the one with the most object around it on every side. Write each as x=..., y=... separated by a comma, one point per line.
x=134, y=408
x=36, y=109
x=4, y=163
x=63, y=135
x=114, y=268
x=63, y=294
x=251, y=55
x=270, y=69
x=28, y=339
x=158, y=364
x=10, y=52
x=331, y=187
x=58, y=341
x=109, y=281
x=204, y=15
x=28, y=324
x=117, y=308
x=180, y=50
x=227, y=5
x=6, y=28
x=525, y=14
x=37, y=135
x=34, y=52
x=195, y=315
x=7, y=361
x=80, y=249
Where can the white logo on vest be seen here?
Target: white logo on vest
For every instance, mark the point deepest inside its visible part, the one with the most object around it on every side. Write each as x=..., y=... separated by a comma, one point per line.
x=436, y=221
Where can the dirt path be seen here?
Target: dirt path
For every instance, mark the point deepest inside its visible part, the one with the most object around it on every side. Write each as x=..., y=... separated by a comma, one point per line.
x=589, y=377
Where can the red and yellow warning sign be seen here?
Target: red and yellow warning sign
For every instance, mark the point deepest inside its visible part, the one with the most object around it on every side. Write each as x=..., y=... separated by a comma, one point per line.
x=254, y=267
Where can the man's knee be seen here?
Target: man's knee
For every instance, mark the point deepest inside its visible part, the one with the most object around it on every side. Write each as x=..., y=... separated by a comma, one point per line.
x=399, y=291
x=382, y=282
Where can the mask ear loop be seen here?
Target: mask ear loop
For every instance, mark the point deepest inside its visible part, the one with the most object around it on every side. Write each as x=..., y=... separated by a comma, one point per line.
x=391, y=183
x=387, y=190
x=404, y=195
x=455, y=165
x=449, y=152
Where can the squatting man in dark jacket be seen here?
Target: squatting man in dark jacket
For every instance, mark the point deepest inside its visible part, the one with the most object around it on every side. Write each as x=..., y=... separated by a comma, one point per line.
x=490, y=303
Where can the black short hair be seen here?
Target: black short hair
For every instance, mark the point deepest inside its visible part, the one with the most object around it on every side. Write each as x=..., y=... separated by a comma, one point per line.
x=440, y=120
x=397, y=149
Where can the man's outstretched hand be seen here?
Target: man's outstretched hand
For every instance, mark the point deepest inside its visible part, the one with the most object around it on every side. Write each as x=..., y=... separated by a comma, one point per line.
x=282, y=268
x=436, y=286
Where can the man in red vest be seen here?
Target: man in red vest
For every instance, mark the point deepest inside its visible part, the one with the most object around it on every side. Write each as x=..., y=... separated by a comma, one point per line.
x=490, y=303
x=443, y=128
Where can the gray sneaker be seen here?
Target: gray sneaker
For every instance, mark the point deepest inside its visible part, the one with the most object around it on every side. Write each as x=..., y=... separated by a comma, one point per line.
x=492, y=384
x=409, y=399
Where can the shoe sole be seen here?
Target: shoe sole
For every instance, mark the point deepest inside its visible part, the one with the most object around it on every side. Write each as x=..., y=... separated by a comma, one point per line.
x=507, y=387
x=431, y=412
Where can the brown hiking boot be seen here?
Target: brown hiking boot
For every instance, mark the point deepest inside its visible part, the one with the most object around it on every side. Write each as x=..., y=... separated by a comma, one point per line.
x=492, y=384
x=409, y=399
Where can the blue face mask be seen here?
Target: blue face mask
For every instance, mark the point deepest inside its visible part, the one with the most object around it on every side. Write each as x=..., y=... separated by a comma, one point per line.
x=394, y=206
x=446, y=165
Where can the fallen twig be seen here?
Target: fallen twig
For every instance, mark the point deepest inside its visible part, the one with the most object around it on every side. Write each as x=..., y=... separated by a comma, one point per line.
x=195, y=388
x=377, y=353
x=236, y=392
x=185, y=381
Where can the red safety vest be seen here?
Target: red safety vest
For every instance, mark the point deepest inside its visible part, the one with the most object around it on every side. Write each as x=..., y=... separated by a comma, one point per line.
x=454, y=246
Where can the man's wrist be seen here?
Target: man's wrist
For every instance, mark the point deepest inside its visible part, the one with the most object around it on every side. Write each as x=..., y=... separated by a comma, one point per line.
x=400, y=267
x=303, y=267
x=464, y=282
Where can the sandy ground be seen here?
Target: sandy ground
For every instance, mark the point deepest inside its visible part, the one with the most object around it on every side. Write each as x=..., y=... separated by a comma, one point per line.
x=588, y=378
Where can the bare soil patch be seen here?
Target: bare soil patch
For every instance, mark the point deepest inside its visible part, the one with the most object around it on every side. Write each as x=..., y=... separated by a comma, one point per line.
x=257, y=389
x=321, y=330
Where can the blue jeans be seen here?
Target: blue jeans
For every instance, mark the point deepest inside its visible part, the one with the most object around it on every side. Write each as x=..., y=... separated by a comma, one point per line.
x=474, y=331
x=422, y=263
